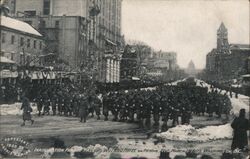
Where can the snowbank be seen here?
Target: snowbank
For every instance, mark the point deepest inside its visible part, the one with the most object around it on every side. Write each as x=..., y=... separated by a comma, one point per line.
x=14, y=109
x=189, y=133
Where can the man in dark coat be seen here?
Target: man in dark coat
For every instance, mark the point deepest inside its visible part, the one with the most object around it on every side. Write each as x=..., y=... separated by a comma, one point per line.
x=91, y=109
x=240, y=126
x=53, y=103
x=106, y=103
x=39, y=101
x=83, y=109
x=147, y=114
x=26, y=111
x=97, y=107
x=46, y=103
x=76, y=101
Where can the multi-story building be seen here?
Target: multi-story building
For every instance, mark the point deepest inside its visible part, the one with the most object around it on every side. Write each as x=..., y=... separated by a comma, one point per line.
x=65, y=37
x=103, y=37
x=163, y=65
x=129, y=64
x=20, y=42
x=227, y=61
x=165, y=60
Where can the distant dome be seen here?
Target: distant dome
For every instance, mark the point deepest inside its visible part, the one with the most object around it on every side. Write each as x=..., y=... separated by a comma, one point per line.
x=191, y=65
x=191, y=69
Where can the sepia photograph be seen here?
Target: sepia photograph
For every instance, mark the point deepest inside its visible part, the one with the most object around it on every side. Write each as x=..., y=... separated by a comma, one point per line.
x=125, y=79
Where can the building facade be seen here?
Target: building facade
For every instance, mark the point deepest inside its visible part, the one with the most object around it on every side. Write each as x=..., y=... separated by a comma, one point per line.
x=20, y=42
x=65, y=37
x=103, y=38
x=129, y=64
x=163, y=65
x=227, y=61
x=166, y=60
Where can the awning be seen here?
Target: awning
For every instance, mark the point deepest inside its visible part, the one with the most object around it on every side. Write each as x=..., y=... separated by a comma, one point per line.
x=5, y=60
x=110, y=42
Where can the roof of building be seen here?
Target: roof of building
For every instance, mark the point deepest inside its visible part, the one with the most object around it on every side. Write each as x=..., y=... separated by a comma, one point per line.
x=222, y=27
x=240, y=46
x=18, y=25
x=213, y=51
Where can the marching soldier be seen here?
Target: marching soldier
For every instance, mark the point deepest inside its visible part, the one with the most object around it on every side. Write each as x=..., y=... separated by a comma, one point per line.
x=46, y=104
x=75, y=105
x=91, y=106
x=39, y=104
x=83, y=110
x=66, y=105
x=122, y=112
x=131, y=110
x=165, y=113
x=105, y=106
x=147, y=115
x=156, y=111
x=97, y=106
x=139, y=111
x=60, y=104
x=116, y=108
x=53, y=104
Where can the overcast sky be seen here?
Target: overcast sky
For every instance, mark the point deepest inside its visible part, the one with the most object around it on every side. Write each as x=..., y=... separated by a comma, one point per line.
x=187, y=27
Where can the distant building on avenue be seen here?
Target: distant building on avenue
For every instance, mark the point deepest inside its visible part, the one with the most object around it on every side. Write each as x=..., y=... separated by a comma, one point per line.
x=163, y=65
x=227, y=61
x=129, y=64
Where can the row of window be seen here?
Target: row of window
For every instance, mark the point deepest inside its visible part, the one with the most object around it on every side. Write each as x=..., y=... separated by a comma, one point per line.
x=22, y=41
x=42, y=24
x=46, y=9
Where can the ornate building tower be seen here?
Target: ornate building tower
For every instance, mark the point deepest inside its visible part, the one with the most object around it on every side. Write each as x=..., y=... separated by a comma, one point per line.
x=222, y=39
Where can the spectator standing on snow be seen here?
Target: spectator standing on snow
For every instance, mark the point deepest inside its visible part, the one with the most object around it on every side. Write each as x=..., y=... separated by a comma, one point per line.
x=240, y=126
x=26, y=111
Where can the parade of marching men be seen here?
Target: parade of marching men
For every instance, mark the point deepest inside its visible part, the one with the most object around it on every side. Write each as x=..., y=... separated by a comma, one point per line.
x=124, y=79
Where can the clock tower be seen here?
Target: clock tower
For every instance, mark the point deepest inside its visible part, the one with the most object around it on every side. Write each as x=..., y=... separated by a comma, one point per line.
x=222, y=39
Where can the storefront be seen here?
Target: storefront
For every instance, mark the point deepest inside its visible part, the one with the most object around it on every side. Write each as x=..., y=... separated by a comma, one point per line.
x=8, y=71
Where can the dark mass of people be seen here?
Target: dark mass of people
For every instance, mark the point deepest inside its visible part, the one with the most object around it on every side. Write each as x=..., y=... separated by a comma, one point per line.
x=147, y=107
x=164, y=103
